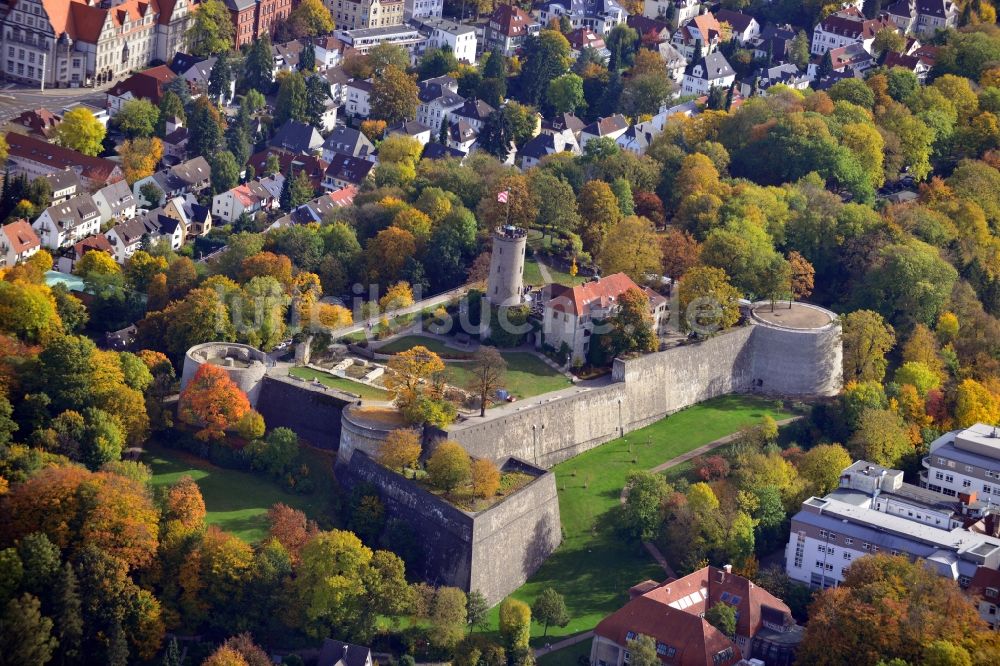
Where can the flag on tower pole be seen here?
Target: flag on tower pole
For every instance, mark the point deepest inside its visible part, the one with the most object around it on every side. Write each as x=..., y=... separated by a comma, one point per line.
x=503, y=196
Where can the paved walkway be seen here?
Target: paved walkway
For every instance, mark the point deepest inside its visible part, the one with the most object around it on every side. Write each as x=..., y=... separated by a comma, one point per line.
x=673, y=462
x=564, y=643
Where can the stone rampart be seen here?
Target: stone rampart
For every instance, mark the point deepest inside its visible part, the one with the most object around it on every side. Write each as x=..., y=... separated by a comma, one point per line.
x=312, y=411
x=493, y=551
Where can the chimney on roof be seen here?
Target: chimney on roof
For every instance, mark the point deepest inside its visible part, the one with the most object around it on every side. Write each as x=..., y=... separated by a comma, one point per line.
x=728, y=568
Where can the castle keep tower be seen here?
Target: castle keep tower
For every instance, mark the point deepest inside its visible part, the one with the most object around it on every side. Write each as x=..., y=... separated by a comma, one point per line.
x=505, y=283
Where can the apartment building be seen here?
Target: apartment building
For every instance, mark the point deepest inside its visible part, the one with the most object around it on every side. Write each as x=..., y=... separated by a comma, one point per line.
x=350, y=15
x=507, y=29
x=848, y=26
x=875, y=511
x=601, y=16
x=442, y=33
x=965, y=462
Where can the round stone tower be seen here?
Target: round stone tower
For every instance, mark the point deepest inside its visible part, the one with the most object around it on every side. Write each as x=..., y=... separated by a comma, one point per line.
x=506, y=280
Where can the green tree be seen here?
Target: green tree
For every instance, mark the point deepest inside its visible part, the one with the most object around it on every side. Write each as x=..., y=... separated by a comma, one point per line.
x=546, y=57
x=821, y=467
x=707, y=300
x=799, y=50
x=641, y=515
x=448, y=617
x=643, y=651
x=565, y=93
x=225, y=171
x=881, y=437
x=394, y=96
x=137, y=118
x=212, y=30
x=623, y=43
x=497, y=134
x=515, y=623
x=170, y=107
x=221, y=78
x=477, y=610
x=631, y=248
x=205, y=127
x=449, y=466
x=68, y=616
x=25, y=634
x=645, y=92
x=292, y=101
x=866, y=338
x=80, y=131
x=311, y=18
x=550, y=609
x=631, y=326
x=258, y=66
x=722, y=616
x=300, y=191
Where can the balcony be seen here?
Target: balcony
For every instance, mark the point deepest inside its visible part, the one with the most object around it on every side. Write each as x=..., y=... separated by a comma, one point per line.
x=926, y=462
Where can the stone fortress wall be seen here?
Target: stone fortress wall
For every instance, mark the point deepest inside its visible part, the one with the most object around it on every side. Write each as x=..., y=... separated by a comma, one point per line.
x=312, y=411
x=244, y=364
x=493, y=551
x=763, y=357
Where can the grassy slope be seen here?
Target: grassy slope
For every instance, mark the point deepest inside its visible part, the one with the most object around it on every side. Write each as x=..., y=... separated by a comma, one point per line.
x=409, y=341
x=364, y=390
x=238, y=501
x=594, y=567
x=533, y=275
x=527, y=375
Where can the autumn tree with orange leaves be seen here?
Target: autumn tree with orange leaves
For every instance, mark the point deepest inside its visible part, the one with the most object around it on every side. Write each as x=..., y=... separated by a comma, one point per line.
x=290, y=528
x=213, y=401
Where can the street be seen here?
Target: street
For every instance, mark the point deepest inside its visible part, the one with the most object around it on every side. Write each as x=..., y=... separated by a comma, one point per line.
x=15, y=99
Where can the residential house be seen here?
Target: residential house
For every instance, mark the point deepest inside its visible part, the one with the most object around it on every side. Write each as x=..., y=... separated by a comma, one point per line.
x=192, y=176
x=291, y=165
x=774, y=42
x=63, y=224
x=601, y=16
x=253, y=19
x=358, y=94
x=338, y=653
x=923, y=17
x=35, y=158
x=438, y=99
x=547, y=143
x=985, y=592
x=338, y=80
x=651, y=31
x=742, y=27
x=920, y=61
x=199, y=73
x=126, y=237
x=678, y=12
x=175, y=142
x=785, y=74
x=712, y=72
x=18, y=241
x=507, y=29
x=874, y=511
x=286, y=56
x=346, y=171
x=702, y=32
x=250, y=198
x=115, y=202
x=461, y=136
x=348, y=141
x=674, y=61
x=317, y=209
x=850, y=60
x=584, y=38
x=350, y=15
x=609, y=126
x=40, y=122
x=673, y=615
x=197, y=219
x=416, y=9
x=473, y=111
x=148, y=84
x=296, y=137
x=413, y=129
x=442, y=33
x=848, y=26
x=67, y=260
x=329, y=52
x=561, y=122
x=64, y=184
x=569, y=314
x=636, y=139
x=163, y=227
x=440, y=151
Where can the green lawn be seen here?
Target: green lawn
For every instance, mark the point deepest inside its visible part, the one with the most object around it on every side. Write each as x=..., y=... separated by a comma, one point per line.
x=533, y=275
x=238, y=501
x=527, y=375
x=569, y=656
x=594, y=567
x=409, y=341
x=325, y=378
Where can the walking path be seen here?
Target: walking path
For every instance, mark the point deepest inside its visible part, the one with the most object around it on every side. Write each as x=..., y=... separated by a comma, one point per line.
x=564, y=643
x=683, y=458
